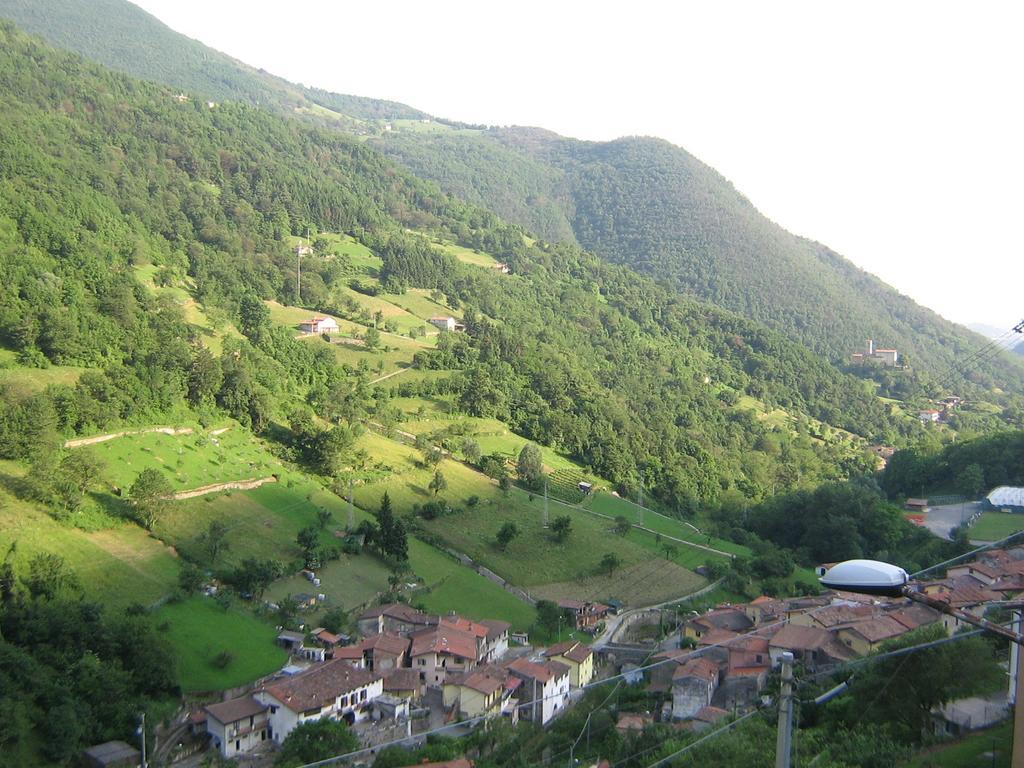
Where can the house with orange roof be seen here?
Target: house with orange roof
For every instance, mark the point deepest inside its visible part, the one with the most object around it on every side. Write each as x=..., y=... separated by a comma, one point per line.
x=545, y=687
x=335, y=689
x=693, y=685
x=865, y=636
x=578, y=656
x=444, y=650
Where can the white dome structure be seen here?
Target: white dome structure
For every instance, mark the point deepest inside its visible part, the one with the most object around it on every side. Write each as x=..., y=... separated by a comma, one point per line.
x=1006, y=496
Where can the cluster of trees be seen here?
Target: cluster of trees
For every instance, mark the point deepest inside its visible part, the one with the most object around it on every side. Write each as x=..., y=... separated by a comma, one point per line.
x=71, y=672
x=970, y=467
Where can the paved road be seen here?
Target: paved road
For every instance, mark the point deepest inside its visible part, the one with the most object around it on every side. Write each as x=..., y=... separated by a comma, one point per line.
x=942, y=520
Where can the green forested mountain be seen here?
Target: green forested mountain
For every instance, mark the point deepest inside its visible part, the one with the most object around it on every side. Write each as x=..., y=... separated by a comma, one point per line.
x=100, y=172
x=126, y=38
x=653, y=206
x=636, y=201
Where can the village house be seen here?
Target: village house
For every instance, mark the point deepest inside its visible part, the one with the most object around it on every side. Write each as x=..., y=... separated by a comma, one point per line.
x=545, y=687
x=578, y=656
x=112, y=754
x=585, y=614
x=730, y=619
x=238, y=725
x=441, y=651
x=929, y=415
x=706, y=717
x=693, y=685
x=396, y=618
x=336, y=690
x=497, y=640
x=447, y=324
x=483, y=691
x=865, y=636
x=319, y=325
x=384, y=652
x=813, y=647
x=633, y=723
x=404, y=683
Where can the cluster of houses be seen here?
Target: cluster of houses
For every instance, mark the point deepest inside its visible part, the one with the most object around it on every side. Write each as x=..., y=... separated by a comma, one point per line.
x=402, y=655
x=737, y=646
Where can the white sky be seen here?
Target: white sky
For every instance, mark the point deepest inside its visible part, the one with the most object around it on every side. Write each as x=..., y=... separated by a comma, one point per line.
x=891, y=131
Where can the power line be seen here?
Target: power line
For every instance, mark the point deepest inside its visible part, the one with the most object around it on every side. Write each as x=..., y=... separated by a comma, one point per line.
x=702, y=739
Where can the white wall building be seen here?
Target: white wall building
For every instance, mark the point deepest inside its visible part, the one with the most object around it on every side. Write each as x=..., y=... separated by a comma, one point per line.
x=238, y=725
x=336, y=690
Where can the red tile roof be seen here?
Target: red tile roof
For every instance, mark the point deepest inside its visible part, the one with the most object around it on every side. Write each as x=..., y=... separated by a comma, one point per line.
x=541, y=672
x=710, y=714
x=399, y=611
x=320, y=685
x=446, y=640
x=402, y=679
x=705, y=669
x=495, y=628
x=793, y=637
x=385, y=643
x=876, y=630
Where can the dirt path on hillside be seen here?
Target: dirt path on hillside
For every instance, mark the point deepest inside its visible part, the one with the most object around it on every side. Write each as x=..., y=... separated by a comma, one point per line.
x=234, y=485
x=79, y=442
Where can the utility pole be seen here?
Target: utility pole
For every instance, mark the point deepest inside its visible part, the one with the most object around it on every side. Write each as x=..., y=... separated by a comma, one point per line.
x=142, y=731
x=784, y=740
x=1017, y=665
x=545, y=501
x=641, y=502
x=351, y=509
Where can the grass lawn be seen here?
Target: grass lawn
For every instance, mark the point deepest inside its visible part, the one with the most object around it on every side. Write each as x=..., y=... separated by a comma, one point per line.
x=992, y=526
x=417, y=301
x=359, y=256
x=606, y=504
x=973, y=751
x=467, y=255
x=449, y=586
x=534, y=557
x=188, y=461
x=20, y=382
x=351, y=582
x=118, y=565
x=404, y=319
x=393, y=354
x=200, y=629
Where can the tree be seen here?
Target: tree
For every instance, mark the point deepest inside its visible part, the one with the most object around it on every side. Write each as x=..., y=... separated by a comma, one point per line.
x=214, y=540
x=205, y=377
x=254, y=317
x=314, y=741
x=392, y=539
x=610, y=562
x=190, y=578
x=150, y=493
x=323, y=517
x=49, y=576
x=439, y=483
x=471, y=450
x=561, y=526
x=371, y=339
x=308, y=540
x=622, y=525
x=506, y=533
x=549, y=616
x=82, y=468
x=971, y=480
x=253, y=576
x=531, y=465
x=334, y=620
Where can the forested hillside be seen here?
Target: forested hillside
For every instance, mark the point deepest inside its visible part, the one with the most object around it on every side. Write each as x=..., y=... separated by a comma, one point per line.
x=100, y=173
x=126, y=38
x=636, y=201
x=649, y=204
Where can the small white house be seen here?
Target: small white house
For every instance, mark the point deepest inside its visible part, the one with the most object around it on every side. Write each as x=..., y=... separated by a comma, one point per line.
x=336, y=690
x=320, y=325
x=237, y=726
x=444, y=323
x=545, y=688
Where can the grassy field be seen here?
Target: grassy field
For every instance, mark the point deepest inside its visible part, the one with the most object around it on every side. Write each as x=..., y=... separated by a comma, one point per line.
x=211, y=330
x=118, y=566
x=647, y=582
x=404, y=319
x=417, y=301
x=532, y=559
x=359, y=256
x=973, y=751
x=467, y=255
x=18, y=381
x=992, y=526
x=200, y=630
x=188, y=461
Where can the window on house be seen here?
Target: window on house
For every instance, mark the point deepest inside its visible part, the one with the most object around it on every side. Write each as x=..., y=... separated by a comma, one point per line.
x=252, y=721
x=273, y=709
x=238, y=745
x=362, y=695
x=263, y=735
